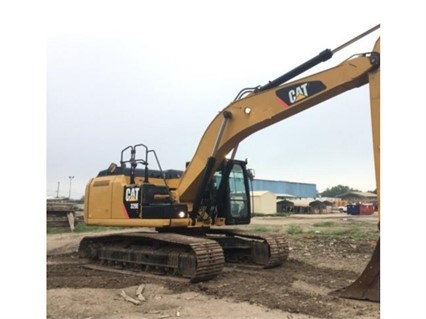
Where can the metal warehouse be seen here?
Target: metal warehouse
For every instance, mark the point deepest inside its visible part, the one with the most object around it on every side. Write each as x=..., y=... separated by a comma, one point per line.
x=301, y=190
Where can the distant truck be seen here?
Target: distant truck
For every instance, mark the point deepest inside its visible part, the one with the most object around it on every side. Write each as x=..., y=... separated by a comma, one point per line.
x=343, y=209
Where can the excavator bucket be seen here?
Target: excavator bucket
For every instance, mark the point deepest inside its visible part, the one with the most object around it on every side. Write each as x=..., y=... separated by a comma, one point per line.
x=367, y=286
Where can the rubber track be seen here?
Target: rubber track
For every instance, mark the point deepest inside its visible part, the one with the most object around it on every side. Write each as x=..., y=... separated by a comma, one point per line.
x=208, y=253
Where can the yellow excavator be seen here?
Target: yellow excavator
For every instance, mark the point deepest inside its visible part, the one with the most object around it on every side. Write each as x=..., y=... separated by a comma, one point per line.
x=187, y=213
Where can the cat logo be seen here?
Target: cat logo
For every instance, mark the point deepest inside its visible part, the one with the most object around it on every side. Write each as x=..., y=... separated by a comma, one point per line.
x=296, y=93
x=132, y=194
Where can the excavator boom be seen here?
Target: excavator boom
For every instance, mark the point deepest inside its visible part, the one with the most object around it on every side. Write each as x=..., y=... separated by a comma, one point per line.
x=260, y=109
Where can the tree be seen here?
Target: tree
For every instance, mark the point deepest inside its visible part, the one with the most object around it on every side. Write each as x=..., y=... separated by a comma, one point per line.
x=337, y=190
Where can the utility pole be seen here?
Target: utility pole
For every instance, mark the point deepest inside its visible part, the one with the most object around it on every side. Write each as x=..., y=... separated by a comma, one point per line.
x=70, y=177
x=57, y=191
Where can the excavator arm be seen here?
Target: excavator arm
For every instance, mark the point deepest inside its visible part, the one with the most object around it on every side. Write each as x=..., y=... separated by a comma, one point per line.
x=367, y=285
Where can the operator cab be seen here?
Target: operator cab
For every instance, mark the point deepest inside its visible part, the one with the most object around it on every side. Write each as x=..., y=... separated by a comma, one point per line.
x=231, y=186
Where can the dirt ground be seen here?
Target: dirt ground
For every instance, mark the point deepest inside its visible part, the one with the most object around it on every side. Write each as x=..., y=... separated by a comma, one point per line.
x=301, y=288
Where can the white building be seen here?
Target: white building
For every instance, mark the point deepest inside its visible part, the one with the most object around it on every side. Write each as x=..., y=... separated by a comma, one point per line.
x=264, y=202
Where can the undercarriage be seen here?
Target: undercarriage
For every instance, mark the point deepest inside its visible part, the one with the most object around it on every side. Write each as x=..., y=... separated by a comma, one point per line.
x=195, y=254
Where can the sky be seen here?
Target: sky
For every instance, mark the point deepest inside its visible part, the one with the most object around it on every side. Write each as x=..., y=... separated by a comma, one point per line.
x=157, y=73
x=81, y=80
